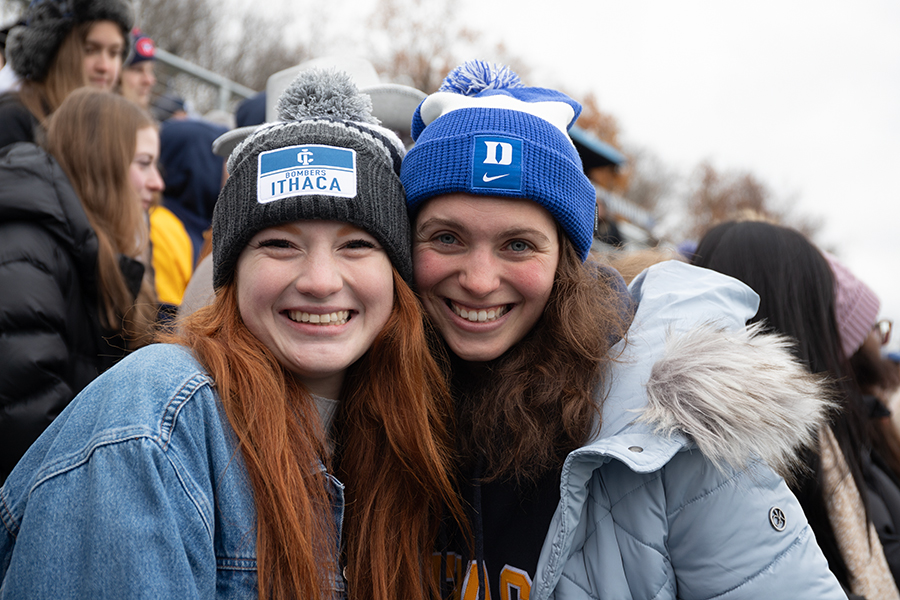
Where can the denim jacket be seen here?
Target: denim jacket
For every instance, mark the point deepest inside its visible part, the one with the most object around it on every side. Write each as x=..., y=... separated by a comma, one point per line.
x=136, y=491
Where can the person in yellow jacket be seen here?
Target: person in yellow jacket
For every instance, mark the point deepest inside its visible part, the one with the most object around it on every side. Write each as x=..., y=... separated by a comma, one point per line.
x=173, y=262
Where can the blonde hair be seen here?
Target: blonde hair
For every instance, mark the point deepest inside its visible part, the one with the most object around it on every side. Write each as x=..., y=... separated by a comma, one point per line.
x=630, y=263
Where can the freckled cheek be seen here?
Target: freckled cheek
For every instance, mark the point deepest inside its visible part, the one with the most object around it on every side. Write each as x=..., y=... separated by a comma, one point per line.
x=373, y=284
x=260, y=284
x=429, y=268
x=533, y=281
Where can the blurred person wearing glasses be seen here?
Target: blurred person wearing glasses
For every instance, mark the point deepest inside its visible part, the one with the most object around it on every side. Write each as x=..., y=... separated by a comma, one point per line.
x=863, y=338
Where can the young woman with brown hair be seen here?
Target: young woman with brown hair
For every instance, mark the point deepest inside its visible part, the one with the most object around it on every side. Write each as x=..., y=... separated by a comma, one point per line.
x=63, y=45
x=208, y=466
x=76, y=296
x=108, y=151
x=610, y=441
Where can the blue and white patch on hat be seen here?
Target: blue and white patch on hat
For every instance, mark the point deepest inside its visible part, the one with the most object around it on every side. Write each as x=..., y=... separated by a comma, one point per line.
x=304, y=171
x=497, y=163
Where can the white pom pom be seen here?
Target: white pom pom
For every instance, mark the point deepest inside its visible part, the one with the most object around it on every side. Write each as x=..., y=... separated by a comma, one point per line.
x=474, y=76
x=325, y=93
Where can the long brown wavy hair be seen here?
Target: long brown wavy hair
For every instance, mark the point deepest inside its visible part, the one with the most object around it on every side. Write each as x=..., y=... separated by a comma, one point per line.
x=392, y=454
x=93, y=136
x=65, y=75
x=526, y=410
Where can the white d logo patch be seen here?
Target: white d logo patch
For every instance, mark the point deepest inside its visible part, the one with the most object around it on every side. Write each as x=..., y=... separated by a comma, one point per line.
x=497, y=163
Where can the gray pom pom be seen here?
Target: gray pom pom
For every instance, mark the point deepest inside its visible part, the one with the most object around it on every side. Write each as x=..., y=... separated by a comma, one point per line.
x=325, y=93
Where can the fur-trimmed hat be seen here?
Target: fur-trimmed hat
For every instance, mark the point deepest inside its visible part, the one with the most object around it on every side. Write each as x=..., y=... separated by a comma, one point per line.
x=485, y=133
x=327, y=158
x=31, y=48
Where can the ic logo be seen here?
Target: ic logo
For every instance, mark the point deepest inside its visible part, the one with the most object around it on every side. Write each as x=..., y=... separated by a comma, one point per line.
x=304, y=157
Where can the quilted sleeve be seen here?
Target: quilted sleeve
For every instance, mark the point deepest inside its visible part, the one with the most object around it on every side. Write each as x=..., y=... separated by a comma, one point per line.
x=34, y=358
x=740, y=535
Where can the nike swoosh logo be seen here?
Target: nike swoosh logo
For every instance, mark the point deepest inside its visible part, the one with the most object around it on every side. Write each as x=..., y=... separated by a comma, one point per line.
x=487, y=179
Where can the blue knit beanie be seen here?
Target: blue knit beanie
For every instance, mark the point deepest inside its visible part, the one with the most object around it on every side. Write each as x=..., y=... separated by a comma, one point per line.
x=484, y=133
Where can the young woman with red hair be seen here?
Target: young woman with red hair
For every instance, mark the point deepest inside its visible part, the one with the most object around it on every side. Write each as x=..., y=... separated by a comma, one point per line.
x=215, y=465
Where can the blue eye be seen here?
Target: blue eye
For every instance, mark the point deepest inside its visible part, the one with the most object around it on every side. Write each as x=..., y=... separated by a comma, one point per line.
x=446, y=238
x=518, y=246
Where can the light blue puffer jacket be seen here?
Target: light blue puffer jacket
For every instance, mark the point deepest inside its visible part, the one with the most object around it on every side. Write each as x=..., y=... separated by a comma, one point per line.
x=675, y=497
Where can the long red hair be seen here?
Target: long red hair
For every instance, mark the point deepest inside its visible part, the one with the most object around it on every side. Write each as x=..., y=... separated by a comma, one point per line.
x=392, y=454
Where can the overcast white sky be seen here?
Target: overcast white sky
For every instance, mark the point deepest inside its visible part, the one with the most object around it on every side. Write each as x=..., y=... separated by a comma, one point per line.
x=804, y=94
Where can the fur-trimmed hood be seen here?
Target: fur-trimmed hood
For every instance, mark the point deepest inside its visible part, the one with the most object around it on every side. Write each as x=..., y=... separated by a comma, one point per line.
x=736, y=394
x=691, y=374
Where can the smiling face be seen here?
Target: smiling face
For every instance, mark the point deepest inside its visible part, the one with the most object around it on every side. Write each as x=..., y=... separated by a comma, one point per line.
x=484, y=267
x=103, y=55
x=316, y=293
x=143, y=172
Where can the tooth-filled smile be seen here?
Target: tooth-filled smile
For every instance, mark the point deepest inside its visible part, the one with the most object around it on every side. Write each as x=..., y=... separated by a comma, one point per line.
x=335, y=318
x=479, y=315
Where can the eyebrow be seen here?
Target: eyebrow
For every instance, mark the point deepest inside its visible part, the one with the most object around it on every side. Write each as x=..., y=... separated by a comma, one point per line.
x=99, y=44
x=347, y=229
x=452, y=224
x=287, y=228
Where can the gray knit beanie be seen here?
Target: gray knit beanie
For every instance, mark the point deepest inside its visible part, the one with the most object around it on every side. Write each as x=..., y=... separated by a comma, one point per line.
x=31, y=48
x=327, y=158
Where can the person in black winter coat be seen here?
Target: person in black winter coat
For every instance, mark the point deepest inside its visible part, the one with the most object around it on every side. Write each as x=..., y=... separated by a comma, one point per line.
x=73, y=296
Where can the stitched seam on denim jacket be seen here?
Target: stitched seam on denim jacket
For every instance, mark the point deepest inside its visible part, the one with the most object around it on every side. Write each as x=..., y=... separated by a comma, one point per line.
x=178, y=400
x=6, y=516
x=132, y=438
x=236, y=564
x=112, y=436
